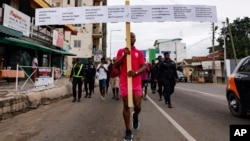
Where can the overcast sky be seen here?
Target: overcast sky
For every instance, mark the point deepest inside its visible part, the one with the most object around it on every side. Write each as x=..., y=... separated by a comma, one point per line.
x=196, y=35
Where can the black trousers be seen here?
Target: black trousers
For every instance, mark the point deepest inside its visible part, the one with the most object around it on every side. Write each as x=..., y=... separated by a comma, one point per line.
x=160, y=89
x=77, y=82
x=168, y=85
x=153, y=84
x=89, y=86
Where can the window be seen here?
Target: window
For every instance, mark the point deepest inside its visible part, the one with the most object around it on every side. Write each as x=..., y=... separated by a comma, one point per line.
x=68, y=1
x=77, y=43
x=78, y=3
x=245, y=67
x=77, y=25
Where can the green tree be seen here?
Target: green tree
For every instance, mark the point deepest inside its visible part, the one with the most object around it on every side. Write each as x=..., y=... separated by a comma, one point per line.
x=240, y=29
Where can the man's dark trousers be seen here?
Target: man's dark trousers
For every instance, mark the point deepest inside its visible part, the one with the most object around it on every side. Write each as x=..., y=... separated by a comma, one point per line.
x=77, y=81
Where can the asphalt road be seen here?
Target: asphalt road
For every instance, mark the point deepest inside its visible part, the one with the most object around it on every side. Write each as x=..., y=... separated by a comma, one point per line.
x=200, y=113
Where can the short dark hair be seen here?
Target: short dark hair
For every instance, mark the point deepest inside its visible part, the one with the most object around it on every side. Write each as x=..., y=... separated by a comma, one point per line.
x=165, y=53
x=102, y=59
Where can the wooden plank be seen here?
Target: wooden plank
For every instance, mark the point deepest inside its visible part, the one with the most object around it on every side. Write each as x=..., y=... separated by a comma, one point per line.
x=128, y=45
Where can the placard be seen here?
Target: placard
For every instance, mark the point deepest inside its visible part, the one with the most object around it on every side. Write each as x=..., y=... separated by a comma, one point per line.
x=123, y=13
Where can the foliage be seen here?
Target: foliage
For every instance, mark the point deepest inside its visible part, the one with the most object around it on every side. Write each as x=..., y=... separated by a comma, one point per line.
x=240, y=28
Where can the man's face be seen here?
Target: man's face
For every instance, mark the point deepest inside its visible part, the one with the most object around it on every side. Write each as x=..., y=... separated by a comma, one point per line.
x=132, y=39
x=160, y=58
x=166, y=56
x=78, y=62
x=90, y=61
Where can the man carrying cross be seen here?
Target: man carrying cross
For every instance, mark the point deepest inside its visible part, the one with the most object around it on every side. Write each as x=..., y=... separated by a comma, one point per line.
x=138, y=65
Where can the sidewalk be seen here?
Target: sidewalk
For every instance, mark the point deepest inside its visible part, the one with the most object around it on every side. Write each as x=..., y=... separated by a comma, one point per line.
x=13, y=102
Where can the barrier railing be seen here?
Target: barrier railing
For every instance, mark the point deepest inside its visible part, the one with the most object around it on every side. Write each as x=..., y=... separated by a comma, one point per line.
x=45, y=77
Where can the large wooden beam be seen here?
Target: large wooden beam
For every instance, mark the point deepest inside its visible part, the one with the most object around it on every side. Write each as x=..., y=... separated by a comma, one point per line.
x=128, y=45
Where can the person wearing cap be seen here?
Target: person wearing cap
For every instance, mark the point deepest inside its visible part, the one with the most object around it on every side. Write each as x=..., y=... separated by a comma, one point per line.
x=167, y=76
x=114, y=79
x=77, y=73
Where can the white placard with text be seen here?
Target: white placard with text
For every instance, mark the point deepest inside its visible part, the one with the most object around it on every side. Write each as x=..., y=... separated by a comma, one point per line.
x=123, y=13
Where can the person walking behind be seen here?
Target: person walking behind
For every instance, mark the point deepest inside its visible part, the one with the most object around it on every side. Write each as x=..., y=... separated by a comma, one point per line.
x=89, y=80
x=77, y=73
x=144, y=77
x=102, y=70
x=152, y=76
x=114, y=79
x=160, y=89
x=34, y=67
x=137, y=65
x=167, y=75
x=108, y=77
x=191, y=75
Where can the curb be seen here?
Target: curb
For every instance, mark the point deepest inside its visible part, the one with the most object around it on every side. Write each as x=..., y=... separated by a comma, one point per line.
x=16, y=103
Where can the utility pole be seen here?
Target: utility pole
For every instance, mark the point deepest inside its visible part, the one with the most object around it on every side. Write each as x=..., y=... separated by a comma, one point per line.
x=232, y=41
x=213, y=64
x=104, y=34
x=225, y=52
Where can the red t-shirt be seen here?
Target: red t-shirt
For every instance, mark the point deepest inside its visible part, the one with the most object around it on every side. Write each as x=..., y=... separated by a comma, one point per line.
x=137, y=60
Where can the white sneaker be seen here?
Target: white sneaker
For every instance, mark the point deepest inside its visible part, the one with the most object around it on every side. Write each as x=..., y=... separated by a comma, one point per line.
x=103, y=98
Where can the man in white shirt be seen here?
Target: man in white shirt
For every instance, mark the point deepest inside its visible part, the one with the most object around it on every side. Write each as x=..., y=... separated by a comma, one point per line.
x=34, y=67
x=102, y=70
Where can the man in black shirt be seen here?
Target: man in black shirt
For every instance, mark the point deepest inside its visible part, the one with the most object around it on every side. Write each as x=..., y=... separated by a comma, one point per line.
x=167, y=76
x=89, y=80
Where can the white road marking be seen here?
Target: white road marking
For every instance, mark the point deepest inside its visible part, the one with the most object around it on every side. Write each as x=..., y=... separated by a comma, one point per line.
x=204, y=93
x=174, y=123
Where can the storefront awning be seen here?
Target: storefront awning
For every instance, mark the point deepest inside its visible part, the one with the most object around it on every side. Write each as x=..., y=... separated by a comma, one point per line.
x=10, y=32
x=31, y=45
x=43, y=4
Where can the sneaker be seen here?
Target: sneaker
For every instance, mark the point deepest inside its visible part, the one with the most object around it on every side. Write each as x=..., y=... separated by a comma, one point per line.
x=102, y=97
x=74, y=100
x=128, y=136
x=135, y=122
x=78, y=100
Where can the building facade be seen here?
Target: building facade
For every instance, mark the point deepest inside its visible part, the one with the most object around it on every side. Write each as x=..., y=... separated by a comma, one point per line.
x=175, y=47
x=21, y=39
x=88, y=38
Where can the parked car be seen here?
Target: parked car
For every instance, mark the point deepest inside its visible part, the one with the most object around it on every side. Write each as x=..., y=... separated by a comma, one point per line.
x=181, y=77
x=238, y=89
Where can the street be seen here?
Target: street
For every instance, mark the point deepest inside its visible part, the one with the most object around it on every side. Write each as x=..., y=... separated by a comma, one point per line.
x=199, y=112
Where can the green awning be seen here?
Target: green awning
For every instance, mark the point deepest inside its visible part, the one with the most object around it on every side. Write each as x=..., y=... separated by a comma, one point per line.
x=10, y=32
x=31, y=45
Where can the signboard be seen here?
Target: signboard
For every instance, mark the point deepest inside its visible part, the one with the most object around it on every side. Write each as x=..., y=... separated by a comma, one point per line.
x=98, y=56
x=208, y=65
x=123, y=13
x=58, y=39
x=16, y=20
x=45, y=77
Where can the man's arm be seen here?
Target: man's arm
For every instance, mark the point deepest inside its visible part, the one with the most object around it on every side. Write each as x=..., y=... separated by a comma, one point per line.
x=123, y=55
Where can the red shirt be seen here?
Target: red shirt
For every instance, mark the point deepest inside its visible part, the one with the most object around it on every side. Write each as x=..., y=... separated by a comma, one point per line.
x=114, y=72
x=137, y=60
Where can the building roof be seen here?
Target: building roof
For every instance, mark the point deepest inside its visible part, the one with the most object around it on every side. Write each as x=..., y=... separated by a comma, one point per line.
x=165, y=40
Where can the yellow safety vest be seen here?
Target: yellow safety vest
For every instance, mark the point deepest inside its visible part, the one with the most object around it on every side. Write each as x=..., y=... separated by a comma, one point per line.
x=79, y=71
